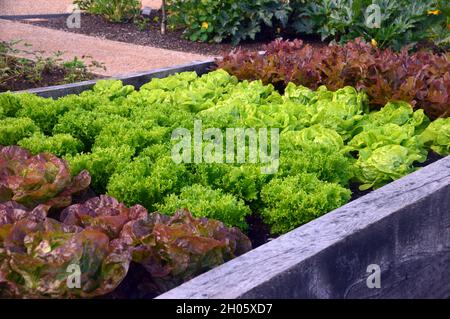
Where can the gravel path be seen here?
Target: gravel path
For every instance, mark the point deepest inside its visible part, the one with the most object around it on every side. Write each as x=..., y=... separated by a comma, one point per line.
x=118, y=57
x=25, y=7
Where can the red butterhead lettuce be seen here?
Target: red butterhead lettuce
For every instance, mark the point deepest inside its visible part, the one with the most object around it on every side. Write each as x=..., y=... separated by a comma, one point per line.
x=41, y=179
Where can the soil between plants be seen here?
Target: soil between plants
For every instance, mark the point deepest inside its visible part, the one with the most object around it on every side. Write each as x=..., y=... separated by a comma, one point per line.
x=49, y=77
x=128, y=32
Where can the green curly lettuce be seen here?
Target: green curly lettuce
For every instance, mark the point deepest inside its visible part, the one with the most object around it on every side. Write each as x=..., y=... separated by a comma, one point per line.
x=102, y=163
x=58, y=144
x=204, y=201
x=12, y=130
x=296, y=200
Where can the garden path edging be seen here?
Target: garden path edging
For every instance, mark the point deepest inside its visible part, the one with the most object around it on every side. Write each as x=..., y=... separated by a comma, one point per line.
x=136, y=79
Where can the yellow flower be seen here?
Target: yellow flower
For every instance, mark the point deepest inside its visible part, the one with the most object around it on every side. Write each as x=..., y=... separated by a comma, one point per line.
x=205, y=25
x=434, y=12
x=374, y=43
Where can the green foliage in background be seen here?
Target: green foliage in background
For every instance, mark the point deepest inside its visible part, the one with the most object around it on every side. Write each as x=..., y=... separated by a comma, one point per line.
x=403, y=22
x=216, y=21
x=111, y=10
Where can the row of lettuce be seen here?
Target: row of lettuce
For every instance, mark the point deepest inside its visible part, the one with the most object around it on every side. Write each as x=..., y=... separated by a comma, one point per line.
x=118, y=140
x=421, y=79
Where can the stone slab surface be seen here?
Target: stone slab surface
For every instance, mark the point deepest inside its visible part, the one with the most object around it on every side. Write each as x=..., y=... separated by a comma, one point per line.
x=118, y=57
x=30, y=7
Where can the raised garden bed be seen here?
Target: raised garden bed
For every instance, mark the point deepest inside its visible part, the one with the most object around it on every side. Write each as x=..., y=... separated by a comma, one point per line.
x=348, y=230
x=403, y=228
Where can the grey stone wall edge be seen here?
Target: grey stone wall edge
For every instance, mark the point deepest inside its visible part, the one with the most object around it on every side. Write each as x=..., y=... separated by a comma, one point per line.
x=404, y=227
x=136, y=79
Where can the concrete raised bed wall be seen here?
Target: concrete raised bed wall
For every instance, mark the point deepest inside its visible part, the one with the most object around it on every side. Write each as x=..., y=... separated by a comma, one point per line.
x=136, y=79
x=403, y=227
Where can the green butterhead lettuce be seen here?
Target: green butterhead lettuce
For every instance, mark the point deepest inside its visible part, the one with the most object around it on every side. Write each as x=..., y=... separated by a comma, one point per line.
x=384, y=164
x=437, y=136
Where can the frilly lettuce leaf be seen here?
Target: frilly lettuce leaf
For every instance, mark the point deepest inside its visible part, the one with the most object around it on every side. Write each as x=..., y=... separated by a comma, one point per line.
x=180, y=80
x=399, y=113
x=295, y=200
x=389, y=134
x=299, y=94
x=379, y=136
x=113, y=89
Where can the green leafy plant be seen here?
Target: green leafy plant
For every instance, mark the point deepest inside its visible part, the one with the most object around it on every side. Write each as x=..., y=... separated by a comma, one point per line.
x=323, y=156
x=216, y=21
x=142, y=23
x=148, y=181
x=111, y=10
x=13, y=130
x=101, y=163
x=437, y=136
x=37, y=69
x=384, y=164
x=59, y=144
x=401, y=22
x=296, y=200
x=206, y=202
x=82, y=125
x=329, y=138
